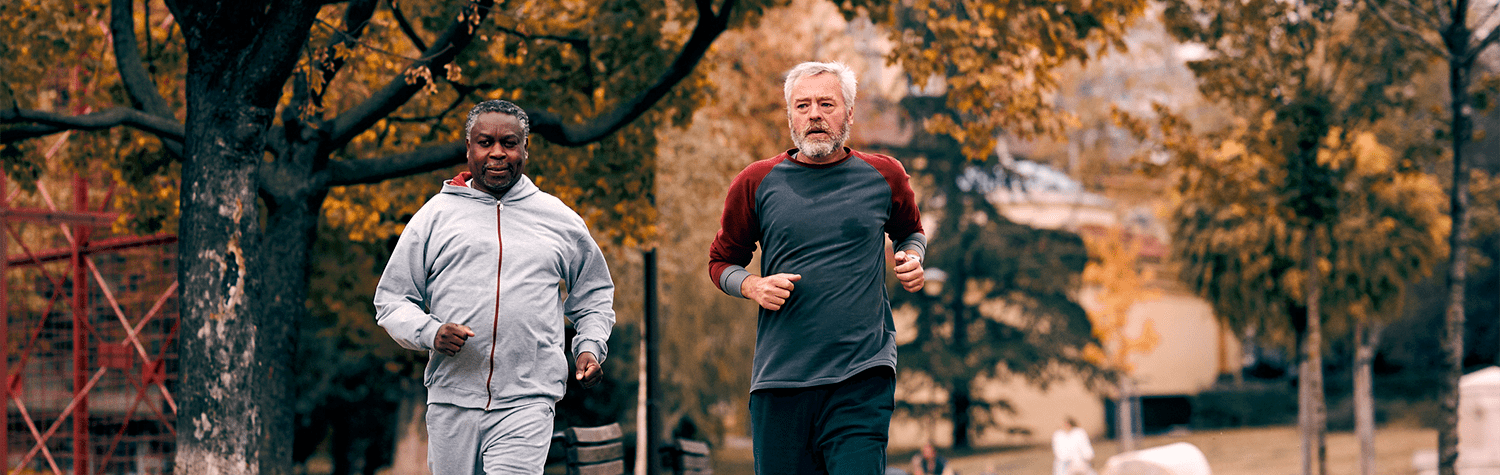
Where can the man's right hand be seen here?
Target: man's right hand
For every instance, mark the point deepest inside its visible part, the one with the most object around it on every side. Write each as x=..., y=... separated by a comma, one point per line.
x=450, y=338
x=770, y=291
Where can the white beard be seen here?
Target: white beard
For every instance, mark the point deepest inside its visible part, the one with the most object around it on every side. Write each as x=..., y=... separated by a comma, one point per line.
x=820, y=148
x=816, y=148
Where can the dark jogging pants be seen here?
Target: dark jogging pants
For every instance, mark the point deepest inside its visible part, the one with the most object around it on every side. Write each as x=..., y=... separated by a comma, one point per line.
x=838, y=429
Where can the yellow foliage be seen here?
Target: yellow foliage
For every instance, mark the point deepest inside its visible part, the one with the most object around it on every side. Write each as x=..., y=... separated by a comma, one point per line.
x=1114, y=268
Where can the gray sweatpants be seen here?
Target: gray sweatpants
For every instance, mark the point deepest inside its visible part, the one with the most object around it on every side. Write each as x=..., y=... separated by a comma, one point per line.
x=465, y=441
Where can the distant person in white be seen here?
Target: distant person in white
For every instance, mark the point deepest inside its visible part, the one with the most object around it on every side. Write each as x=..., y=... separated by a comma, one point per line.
x=1072, y=454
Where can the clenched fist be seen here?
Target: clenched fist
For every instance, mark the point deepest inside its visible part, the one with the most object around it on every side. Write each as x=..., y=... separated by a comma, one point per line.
x=909, y=271
x=770, y=291
x=589, y=372
x=450, y=338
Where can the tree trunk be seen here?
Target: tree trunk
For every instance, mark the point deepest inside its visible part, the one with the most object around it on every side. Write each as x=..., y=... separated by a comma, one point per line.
x=1366, y=335
x=1457, y=38
x=958, y=283
x=1304, y=405
x=1125, y=415
x=958, y=395
x=1312, y=415
x=229, y=358
x=959, y=399
x=236, y=411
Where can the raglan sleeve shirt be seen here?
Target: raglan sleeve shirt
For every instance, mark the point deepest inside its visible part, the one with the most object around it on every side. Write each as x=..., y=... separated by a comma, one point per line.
x=828, y=223
x=739, y=230
x=905, y=226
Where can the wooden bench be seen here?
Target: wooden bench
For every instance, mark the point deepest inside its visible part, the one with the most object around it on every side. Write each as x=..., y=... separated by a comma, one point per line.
x=689, y=457
x=593, y=450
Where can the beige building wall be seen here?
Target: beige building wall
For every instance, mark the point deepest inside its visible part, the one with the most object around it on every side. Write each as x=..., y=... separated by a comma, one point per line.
x=1194, y=348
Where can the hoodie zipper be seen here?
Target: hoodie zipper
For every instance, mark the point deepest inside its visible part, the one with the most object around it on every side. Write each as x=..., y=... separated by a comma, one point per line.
x=495, y=327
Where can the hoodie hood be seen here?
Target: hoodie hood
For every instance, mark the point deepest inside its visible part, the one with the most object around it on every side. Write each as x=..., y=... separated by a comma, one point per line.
x=459, y=185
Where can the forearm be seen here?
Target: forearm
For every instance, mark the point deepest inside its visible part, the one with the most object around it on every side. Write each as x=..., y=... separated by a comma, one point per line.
x=915, y=242
x=399, y=312
x=408, y=325
x=593, y=326
x=590, y=303
x=401, y=297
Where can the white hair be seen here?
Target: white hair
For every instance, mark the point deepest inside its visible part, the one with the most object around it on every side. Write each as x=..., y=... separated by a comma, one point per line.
x=847, y=83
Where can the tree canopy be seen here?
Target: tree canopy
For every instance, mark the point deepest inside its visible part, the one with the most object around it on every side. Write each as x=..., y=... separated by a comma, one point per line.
x=996, y=63
x=1263, y=209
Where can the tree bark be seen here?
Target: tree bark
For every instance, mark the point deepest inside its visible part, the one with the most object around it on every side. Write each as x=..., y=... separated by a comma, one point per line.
x=958, y=395
x=960, y=401
x=231, y=356
x=1460, y=66
x=1366, y=335
x=234, y=417
x=1312, y=415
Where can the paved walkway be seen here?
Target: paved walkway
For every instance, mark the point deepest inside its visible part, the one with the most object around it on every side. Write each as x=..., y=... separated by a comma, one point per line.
x=1255, y=451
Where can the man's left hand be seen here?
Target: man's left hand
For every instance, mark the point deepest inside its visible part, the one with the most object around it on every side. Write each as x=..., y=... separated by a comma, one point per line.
x=589, y=373
x=909, y=271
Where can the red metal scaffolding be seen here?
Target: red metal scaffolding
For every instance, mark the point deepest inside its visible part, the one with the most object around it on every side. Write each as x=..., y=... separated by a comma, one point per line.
x=91, y=328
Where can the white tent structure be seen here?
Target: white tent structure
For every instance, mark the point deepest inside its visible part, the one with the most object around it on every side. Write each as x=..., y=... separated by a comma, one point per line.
x=1180, y=458
x=1479, y=422
x=1478, y=427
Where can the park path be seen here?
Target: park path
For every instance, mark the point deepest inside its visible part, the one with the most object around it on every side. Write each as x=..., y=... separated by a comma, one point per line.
x=1252, y=451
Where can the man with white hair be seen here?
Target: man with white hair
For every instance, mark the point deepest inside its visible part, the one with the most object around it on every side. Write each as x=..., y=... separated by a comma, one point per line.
x=823, y=379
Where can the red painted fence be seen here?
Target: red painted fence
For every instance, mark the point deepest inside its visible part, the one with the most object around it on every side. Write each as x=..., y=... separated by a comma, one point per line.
x=91, y=328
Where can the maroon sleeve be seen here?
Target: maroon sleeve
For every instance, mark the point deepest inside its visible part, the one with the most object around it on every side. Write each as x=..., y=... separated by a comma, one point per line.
x=905, y=220
x=739, y=227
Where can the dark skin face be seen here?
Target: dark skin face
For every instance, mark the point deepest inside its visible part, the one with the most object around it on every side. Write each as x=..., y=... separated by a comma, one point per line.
x=496, y=152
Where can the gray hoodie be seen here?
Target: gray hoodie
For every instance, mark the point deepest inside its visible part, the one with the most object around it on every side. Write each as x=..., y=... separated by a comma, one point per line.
x=498, y=267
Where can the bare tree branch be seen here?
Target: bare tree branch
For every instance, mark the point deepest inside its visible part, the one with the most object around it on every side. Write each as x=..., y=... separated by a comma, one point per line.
x=1487, y=16
x=710, y=25
x=27, y=132
x=356, y=18
x=346, y=37
x=47, y=123
x=351, y=123
x=138, y=84
x=374, y=170
x=581, y=43
x=1485, y=42
x=1431, y=19
x=133, y=75
x=1440, y=8
x=327, y=63
x=544, y=123
x=1406, y=30
x=463, y=93
x=411, y=33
